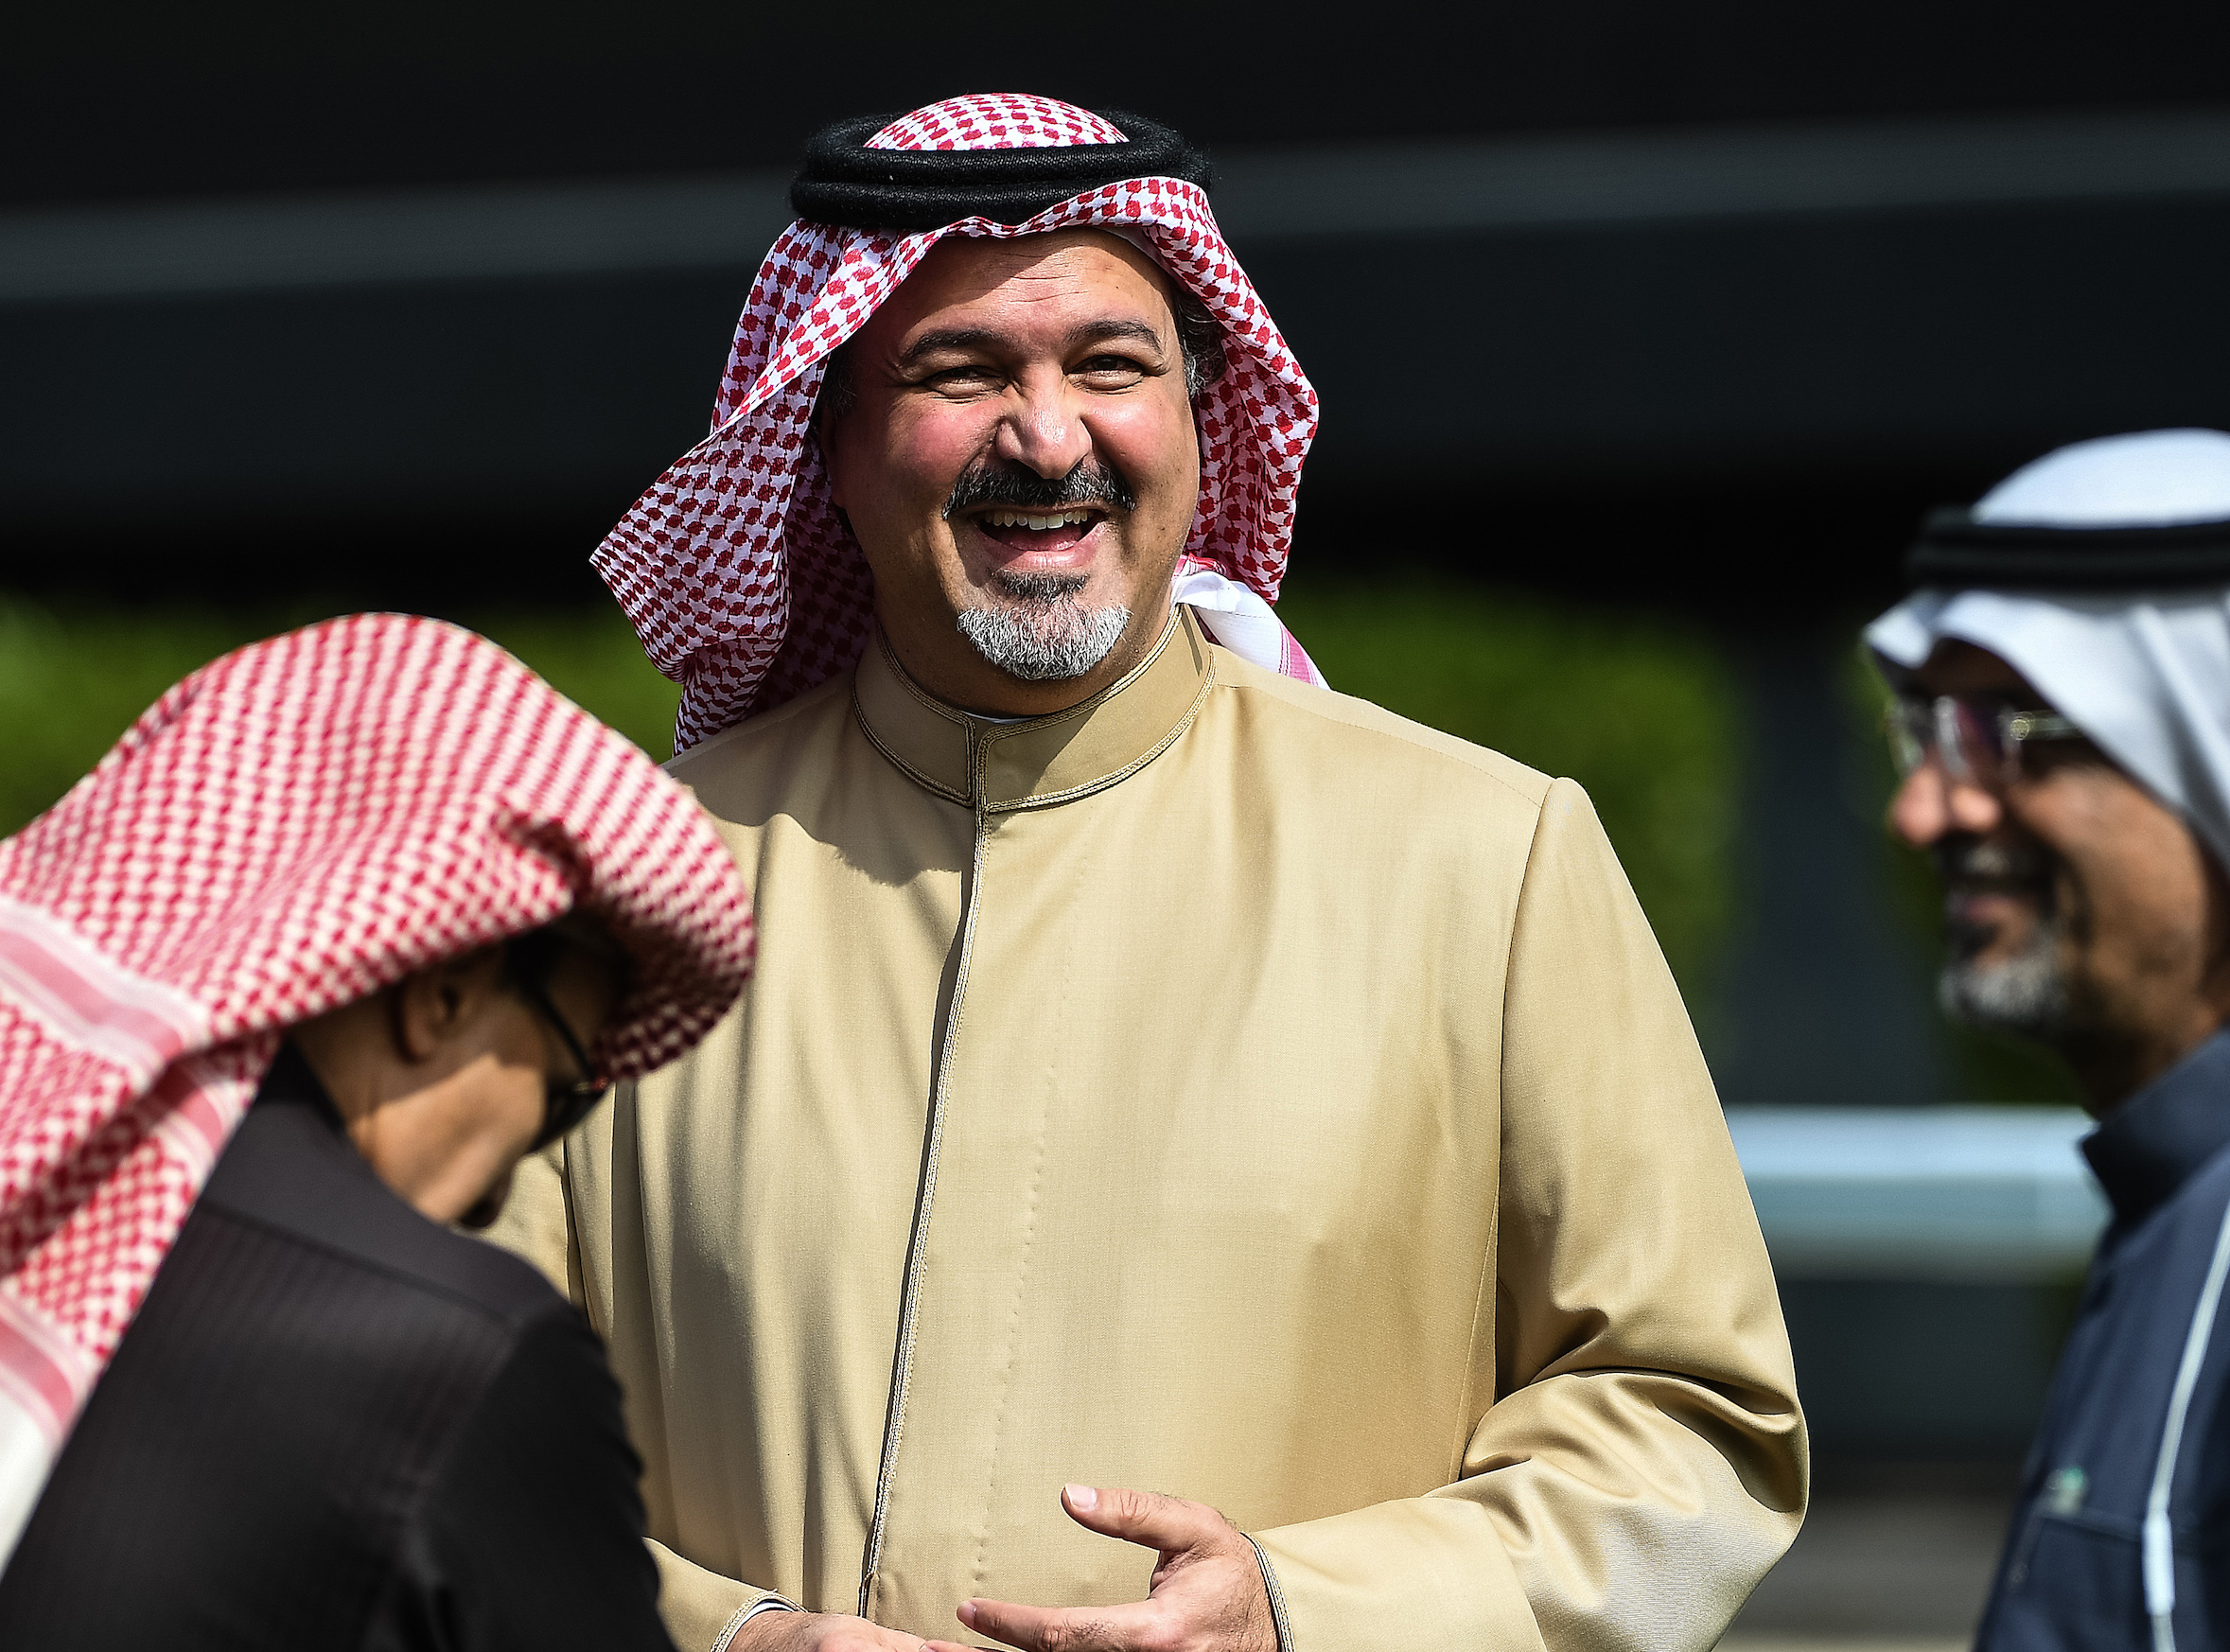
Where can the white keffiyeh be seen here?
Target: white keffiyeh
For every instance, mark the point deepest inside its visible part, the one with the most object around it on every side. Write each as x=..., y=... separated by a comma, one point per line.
x=2144, y=674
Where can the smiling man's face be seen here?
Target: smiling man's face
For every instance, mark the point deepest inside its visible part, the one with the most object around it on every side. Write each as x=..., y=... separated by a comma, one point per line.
x=2081, y=911
x=1020, y=466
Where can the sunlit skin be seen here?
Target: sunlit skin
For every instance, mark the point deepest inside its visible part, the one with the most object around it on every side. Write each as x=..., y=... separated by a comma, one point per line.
x=441, y=1080
x=1205, y=1595
x=2145, y=911
x=1041, y=351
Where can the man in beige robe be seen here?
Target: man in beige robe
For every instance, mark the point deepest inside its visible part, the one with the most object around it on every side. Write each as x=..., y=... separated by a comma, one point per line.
x=1160, y=1072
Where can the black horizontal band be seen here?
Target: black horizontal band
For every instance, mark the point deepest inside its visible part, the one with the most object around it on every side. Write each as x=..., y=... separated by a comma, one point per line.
x=919, y=189
x=1956, y=550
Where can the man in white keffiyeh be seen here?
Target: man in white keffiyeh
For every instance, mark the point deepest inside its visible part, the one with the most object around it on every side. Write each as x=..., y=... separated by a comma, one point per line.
x=1166, y=1072
x=2063, y=674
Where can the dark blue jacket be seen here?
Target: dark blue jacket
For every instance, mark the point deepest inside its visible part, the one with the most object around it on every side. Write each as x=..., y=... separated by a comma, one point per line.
x=2119, y=1441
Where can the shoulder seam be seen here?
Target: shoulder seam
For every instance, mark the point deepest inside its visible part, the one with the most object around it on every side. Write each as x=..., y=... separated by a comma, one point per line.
x=789, y=710
x=1323, y=714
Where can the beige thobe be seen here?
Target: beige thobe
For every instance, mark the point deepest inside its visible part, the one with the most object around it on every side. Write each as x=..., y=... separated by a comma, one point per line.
x=1225, y=1089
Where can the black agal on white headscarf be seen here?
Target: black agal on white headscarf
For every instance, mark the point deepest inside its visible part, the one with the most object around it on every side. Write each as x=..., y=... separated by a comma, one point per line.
x=2102, y=573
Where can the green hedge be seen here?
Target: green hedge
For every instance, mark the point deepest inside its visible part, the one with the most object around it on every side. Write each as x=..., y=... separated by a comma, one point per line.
x=74, y=676
x=1641, y=711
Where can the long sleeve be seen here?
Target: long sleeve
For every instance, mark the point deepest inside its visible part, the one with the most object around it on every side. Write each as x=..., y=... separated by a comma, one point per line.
x=1640, y=1462
x=700, y=1606
x=519, y=1546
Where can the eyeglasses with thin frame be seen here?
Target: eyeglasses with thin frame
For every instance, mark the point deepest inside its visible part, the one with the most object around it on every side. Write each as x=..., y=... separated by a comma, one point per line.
x=1981, y=738
x=564, y=1102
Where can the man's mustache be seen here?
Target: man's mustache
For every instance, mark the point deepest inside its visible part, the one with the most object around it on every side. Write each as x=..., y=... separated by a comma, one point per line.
x=1004, y=482
x=1963, y=859
x=1974, y=865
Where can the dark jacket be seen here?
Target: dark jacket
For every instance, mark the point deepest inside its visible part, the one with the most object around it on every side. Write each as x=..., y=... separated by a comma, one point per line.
x=2073, y=1573
x=335, y=1424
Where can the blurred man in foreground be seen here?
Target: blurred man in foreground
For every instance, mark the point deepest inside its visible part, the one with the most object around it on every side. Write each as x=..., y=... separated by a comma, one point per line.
x=378, y=878
x=1168, y=1074
x=2063, y=676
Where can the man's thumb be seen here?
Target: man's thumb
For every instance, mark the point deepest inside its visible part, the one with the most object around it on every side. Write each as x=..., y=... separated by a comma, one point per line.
x=1145, y=1518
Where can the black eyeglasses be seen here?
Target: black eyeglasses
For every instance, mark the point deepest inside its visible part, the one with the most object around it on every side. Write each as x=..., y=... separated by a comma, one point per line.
x=565, y=1103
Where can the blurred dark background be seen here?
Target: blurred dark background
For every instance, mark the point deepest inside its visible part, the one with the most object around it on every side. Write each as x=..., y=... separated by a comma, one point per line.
x=1690, y=305
x=1654, y=327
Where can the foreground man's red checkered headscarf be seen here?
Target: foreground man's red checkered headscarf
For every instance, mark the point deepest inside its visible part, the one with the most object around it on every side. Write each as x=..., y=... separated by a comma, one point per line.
x=740, y=577
x=292, y=827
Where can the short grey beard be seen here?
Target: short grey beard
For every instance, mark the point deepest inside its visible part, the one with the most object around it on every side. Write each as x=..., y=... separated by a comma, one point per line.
x=1043, y=633
x=2026, y=994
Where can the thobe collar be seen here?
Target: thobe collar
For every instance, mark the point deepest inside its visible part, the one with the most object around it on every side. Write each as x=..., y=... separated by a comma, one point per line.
x=1038, y=762
x=2148, y=1147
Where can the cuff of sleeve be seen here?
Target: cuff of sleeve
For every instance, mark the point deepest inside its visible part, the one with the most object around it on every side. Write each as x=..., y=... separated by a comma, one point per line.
x=1278, y=1599
x=1421, y=1574
x=765, y=1603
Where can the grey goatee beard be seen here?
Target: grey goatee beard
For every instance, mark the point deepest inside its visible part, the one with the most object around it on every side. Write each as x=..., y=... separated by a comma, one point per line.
x=1043, y=632
x=2026, y=994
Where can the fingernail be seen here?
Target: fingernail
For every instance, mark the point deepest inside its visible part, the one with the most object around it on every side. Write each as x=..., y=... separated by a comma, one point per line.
x=1083, y=1499
x=967, y=1613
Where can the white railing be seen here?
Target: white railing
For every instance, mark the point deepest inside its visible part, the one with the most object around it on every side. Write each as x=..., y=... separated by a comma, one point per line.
x=1953, y=1193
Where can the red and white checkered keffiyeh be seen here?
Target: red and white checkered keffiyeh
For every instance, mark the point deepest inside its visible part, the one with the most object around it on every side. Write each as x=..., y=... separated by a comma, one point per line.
x=740, y=577
x=293, y=827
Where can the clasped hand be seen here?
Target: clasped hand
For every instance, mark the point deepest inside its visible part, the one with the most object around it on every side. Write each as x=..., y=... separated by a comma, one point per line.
x=1206, y=1595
